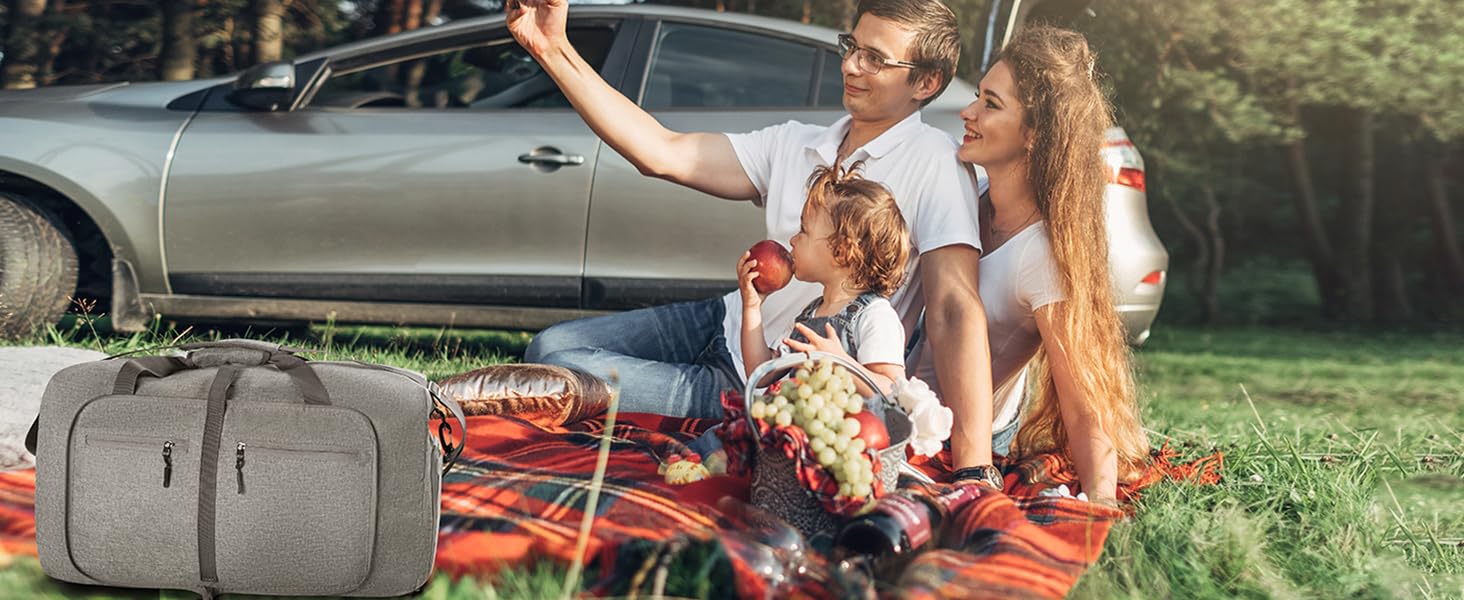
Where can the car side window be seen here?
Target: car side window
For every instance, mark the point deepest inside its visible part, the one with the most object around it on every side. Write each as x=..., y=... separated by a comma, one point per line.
x=831, y=82
x=704, y=67
x=497, y=75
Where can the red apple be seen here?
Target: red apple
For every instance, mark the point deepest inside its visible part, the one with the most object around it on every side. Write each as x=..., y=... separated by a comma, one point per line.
x=872, y=430
x=774, y=266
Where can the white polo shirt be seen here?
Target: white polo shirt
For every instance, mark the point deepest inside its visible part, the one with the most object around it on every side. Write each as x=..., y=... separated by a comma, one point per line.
x=936, y=193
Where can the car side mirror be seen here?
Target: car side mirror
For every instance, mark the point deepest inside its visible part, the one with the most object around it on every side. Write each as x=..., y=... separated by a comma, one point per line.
x=267, y=86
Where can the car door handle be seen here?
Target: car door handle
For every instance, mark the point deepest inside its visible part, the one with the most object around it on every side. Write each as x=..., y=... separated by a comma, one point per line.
x=551, y=157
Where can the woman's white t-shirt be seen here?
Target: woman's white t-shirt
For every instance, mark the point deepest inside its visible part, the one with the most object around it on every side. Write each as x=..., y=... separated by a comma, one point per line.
x=1017, y=278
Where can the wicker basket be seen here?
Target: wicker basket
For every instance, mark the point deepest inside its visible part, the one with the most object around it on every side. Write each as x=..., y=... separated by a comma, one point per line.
x=775, y=485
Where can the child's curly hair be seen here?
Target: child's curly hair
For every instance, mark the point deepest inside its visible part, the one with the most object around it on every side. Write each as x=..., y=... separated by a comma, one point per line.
x=869, y=238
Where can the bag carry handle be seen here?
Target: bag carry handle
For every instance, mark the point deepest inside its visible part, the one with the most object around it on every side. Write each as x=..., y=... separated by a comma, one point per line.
x=297, y=368
x=284, y=359
x=279, y=357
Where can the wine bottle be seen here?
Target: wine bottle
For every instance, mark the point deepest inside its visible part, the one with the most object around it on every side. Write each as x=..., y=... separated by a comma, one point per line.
x=901, y=524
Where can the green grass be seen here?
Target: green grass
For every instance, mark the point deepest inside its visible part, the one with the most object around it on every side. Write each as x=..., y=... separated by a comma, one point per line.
x=1342, y=476
x=1344, y=466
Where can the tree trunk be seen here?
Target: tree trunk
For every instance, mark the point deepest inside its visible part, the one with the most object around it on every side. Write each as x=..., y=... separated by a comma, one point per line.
x=1314, y=232
x=1201, y=284
x=1358, y=198
x=46, y=62
x=1210, y=291
x=1391, y=303
x=243, y=40
x=269, y=31
x=228, y=48
x=96, y=51
x=180, y=48
x=392, y=13
x=412, y=19
x=418, y=68
x=847, y=9
x=432, y=12
x=23, y=44
x=1441, y=219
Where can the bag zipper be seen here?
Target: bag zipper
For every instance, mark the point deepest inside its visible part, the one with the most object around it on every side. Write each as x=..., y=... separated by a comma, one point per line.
x=320, y=453
x=123, y=442
x=239, y=464
x=167, y=463
x=141, y=444
x=317, y=454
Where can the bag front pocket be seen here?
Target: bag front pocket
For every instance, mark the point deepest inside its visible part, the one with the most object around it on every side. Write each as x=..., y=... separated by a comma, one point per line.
x=296, y=499
x=133, y=490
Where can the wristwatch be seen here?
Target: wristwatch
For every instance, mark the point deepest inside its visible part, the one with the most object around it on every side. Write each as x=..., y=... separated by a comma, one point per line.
x=987, y=474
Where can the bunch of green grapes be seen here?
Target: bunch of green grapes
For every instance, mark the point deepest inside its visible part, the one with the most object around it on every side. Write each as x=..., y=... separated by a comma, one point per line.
x=821, y=398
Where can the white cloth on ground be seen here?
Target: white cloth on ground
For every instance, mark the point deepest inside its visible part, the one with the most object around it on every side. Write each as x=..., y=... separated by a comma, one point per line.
x=24, y=373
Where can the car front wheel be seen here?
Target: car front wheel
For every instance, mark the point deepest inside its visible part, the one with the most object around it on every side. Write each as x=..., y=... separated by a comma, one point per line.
x=37, y=267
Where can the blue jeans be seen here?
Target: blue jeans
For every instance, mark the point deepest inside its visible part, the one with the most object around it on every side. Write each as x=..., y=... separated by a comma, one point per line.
x=669, y=360
x=1001, y=439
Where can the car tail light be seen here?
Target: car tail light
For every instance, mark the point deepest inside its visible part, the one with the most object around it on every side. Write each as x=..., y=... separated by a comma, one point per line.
x=1154, y=278
x=1125, y=164
x=1130, y=177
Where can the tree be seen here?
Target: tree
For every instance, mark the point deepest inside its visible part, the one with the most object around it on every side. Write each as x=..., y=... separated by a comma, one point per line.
x=1314, y=79
x=23, y=44
x=1329, y=58
x=269, y=30
x=180, y=47
x=1433, y=68
x=1192, y=116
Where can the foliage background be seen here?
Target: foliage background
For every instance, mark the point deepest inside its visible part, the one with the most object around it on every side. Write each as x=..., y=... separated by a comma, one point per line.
x=1304, y=156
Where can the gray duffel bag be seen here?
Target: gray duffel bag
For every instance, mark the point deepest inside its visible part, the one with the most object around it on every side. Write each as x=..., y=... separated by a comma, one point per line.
x=241, y=468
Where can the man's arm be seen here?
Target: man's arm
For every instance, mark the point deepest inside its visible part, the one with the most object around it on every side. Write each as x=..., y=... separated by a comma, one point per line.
x=702, y=161
x=955, y=322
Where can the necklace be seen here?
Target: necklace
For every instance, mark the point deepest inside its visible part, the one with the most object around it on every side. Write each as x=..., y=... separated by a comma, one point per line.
x=1006, y=232
x=998, y=237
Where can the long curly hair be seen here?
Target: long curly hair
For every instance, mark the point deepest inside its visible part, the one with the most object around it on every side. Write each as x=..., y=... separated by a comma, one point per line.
x=869, y=234
x=1066, y=116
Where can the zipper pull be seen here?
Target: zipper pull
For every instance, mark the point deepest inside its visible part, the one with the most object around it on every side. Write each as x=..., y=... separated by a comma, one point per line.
x=239, y=464
x=167, y=463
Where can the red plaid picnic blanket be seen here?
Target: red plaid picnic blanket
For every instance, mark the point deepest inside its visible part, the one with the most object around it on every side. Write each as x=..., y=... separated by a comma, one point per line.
x=519, y=493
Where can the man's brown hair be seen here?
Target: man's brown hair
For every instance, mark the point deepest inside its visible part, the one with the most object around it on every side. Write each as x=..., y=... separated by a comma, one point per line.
x=937, y=44
x=869, y=235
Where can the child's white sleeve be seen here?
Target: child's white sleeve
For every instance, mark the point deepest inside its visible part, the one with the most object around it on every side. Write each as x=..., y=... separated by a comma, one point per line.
x=880, y=335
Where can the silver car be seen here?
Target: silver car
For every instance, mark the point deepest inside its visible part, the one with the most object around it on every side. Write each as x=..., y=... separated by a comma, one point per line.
x=433, y=177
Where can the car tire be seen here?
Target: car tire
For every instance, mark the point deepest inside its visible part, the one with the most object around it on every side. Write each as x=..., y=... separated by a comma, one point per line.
x=37, y=267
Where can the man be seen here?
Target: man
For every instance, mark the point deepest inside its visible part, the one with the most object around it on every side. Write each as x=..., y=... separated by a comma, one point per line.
x=676, y=359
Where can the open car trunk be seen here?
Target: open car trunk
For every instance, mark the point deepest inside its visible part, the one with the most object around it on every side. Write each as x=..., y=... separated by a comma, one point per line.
x=1004, y=17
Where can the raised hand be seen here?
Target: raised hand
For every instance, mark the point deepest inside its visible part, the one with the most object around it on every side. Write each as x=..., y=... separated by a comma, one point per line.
x=537, y=24
x=746, y=272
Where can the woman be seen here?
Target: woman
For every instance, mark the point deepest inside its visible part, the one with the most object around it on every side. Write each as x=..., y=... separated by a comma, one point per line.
x=1037, y=127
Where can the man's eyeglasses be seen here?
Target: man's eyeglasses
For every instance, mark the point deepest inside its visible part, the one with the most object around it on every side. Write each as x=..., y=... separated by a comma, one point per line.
x=868, y=61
